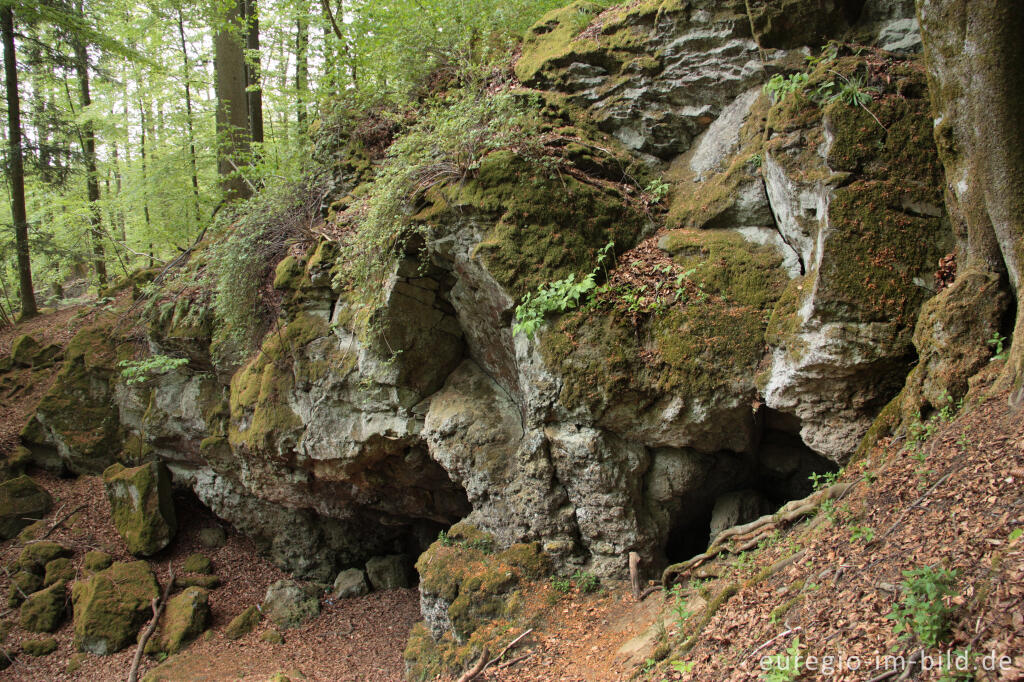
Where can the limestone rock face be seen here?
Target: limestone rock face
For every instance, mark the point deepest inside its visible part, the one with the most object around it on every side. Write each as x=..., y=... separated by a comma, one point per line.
x=141, y=506
x=22, y=501
x=111, y=607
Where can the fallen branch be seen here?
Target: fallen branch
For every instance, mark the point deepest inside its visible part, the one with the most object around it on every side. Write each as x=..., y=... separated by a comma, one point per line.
x=512, y=661
x=158, y=608
x=634, y=574
x=504, y=651
x=774, y=639
x=476, y=669
x=62, y=521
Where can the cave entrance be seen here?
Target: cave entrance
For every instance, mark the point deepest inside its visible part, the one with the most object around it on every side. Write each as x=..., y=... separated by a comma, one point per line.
x=740, y=487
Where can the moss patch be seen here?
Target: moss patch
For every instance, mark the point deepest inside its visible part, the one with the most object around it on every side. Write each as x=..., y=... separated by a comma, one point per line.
x=141, y=506
x=197, y=563
x=110, y=607
x=243, y=623
x=184, y=618
x=21, y=500
x=39, y=647
x=44, y=610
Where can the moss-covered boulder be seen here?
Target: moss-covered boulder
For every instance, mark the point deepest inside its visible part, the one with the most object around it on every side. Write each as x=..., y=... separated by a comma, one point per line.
x=243, y=623
x=197, y=563
x=39, y=647
x=110, y=607
x=22, y=501
x=59, y=570
x=207, y=582
x=44, y=610
x=96, y=561
x=24, y=349
x=141, y=506
x=288, y=604
x=185, y=617
x=23, y=583
x=36, y=555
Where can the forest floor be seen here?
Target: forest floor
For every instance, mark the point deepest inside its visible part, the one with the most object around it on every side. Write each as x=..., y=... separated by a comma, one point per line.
x=955, y=501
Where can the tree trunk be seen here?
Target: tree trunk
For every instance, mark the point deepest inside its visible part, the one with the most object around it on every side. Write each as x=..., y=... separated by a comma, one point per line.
x=232, y=105
x=254, y=91
x=92, y=182
x=975, y=55
x=19, y=214
x=301, y=66
x=188, y=119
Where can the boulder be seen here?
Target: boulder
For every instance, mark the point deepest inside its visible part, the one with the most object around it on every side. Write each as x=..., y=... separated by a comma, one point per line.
x=243, y=623
x=39, y=647
x=184, y=618
x=37, y=555
x=23, y=583
x=212, y=537
x=389, y=572
x=22, y=501
x=141, y=506
x=110, y=607
x=44, y=610
x=59, y=570
x=288, y=604
x=23, y=350
x=207, y=582
x=47, y=355
x=197, y=563
x=350, y=583
x=96, y=561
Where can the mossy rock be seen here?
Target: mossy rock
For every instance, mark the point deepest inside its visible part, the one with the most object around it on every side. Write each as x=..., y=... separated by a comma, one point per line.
x=185, y=617
x=23, y=350
x=23, y=583
x=141, y=506
x=528, y=558
x=5, y=629
x=37, y=555
x=22, y=501
x=197, y=563
x=59, y=570
x=272, y=636
x=96, y=560
x=213, y=537
x=207, y=582
x=389, y=572
x=47, y=355
x=288, y=604
x=16, y=463
x=243, y=623
x=796, y=23
x=552, y=39
x=110, y=607
x=44, y=610
x=75, y=663
x=39, y=647
x=6, y=364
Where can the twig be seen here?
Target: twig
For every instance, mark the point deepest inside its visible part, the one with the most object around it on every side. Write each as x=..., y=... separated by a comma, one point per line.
x=469, y=674
x=506, y=649
x=158, y=608
x=775, y=639
x=648, y=592
x=62, y=520
x=512, y=661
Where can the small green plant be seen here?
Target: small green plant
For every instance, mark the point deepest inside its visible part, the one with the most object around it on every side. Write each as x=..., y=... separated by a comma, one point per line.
x=828, y=508
x=997, y=342
x=779, y=87
x=756, y=160
x=560, y=584
x=138, y=371
x=958, y=666
x=784, y=667
x=679, y=605
x=923, y=612
x=863, y=533
x=558, y=296
x=822, y=481
x=648, y=665
x=683, y=667
x=586, y=582
x=1015, y=535
x=658, y=190
x=445, y=539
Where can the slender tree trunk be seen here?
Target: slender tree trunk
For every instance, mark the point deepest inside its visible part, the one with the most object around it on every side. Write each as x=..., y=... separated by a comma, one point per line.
x=19, y=214
x=143, y=122
x=232, y=104
x=254, y=92
x=89, y=151
x=301, y=66
x=188, y=119
x=122, y=230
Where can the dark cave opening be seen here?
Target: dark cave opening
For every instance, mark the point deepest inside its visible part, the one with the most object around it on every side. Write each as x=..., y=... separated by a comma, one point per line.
x=740, y=487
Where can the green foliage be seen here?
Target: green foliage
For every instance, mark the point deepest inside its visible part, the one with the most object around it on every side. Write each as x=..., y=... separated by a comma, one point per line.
x=784, y=667
x=996, y=342
x=139, y=371
x=586, y=582
x=683, y=667
x=1015, y=535
x=555, y=297
x=679, y=605
x=822, y=481
x=560, y=584
x=658, y=189
x=864, y=534
x=779, y=87
x=923, y=612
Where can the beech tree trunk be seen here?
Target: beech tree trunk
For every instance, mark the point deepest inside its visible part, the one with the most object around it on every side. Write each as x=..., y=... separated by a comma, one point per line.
x=16, y=172
x=232, y=103
x=254, y=93
x=975, y=55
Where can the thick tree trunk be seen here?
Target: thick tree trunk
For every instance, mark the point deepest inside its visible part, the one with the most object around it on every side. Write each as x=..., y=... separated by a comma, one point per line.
x=301, y=66
x=254, y=91
x=16, y=172
x=975, y=55
x=188, y=119
x=232, y=104
x=92, y=182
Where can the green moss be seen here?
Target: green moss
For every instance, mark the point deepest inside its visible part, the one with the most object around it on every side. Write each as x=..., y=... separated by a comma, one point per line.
x=259, y=390
x=553, y=38
x=23, y=584
x=785, y=322
x=96, y=560
x=289, y=273
x=207, y=582
x=44, y=610
x=59, y=570
x=243, y=623
x=197, y=563
x=75, y=663
x=547, y=226
x=528, y=558
x=710, y=340
x=39, y=647
x=110, y=607
x=184, y=618
x=21, y=500
x=272, y=636
x=37, y=555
